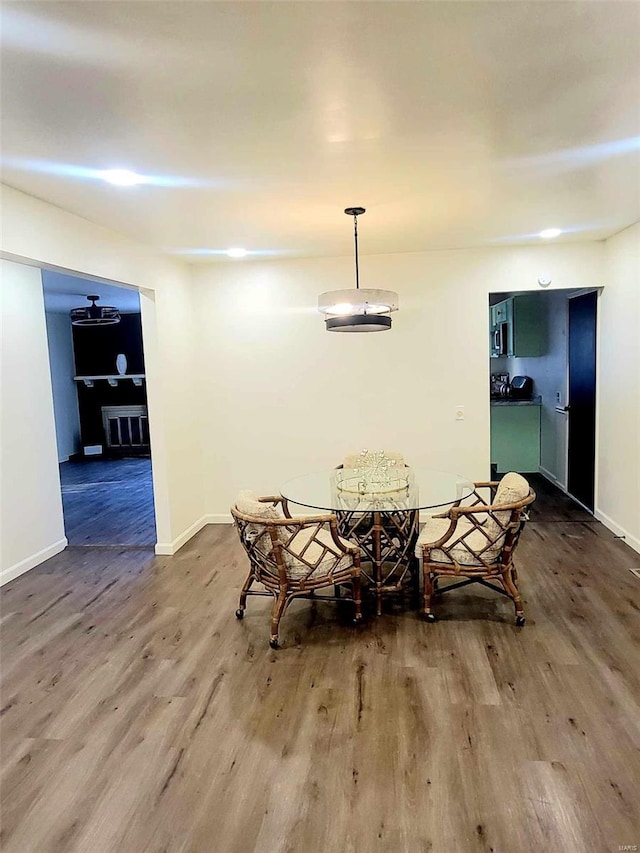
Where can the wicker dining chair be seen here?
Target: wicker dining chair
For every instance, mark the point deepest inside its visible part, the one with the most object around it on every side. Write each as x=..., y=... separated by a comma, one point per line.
x=476, y=541
x=292, y=557
x=355, y=460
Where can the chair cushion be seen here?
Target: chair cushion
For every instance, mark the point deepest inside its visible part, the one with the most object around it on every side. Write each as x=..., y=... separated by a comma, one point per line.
x=257, y=533
x=435, y=528
x=297, y=570
x=354, y=460
x=248, y=504
x=512, y=488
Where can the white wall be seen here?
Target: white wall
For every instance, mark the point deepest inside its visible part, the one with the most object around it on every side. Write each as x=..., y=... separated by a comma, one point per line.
x=245, y=387
x=40, y=234
x=618, y=478
x=282, y=396
x=65, y=397
x=31, y=524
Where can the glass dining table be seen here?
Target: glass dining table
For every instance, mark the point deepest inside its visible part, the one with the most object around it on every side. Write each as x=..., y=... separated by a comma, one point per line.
x=382, y=517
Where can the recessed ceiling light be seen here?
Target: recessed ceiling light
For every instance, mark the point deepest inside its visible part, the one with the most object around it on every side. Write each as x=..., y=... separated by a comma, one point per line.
x=121, y=177
x=237, y=253
x=550, y=233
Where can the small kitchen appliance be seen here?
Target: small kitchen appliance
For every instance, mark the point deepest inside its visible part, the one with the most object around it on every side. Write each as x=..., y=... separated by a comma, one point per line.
x=500, y=340
x=521, y=387
x=499, y=387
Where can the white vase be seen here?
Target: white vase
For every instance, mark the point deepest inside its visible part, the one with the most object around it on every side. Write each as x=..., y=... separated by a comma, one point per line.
x=121, y=364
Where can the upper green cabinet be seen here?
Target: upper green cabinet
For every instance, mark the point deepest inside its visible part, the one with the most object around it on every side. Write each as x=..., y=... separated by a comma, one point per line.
x=525, y=331
x=529, y=326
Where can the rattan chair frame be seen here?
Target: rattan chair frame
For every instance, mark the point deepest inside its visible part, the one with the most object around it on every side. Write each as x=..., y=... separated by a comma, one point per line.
x=500, y=569
x=269, y=568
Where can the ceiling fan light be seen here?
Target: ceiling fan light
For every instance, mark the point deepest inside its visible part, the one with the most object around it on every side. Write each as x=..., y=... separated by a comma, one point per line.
x=95, y=315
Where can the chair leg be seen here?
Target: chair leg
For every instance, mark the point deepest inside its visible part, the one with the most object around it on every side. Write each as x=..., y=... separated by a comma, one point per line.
x=356, y=587
x=510, y=584
x=276, y=614
x=427, y=580
x=242, y=605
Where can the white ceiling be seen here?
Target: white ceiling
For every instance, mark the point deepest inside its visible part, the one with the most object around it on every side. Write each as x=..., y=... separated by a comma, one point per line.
x=455, y=124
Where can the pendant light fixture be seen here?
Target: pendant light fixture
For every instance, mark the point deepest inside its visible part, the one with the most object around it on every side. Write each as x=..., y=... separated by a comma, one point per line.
x=92, y=315
x=359, y=309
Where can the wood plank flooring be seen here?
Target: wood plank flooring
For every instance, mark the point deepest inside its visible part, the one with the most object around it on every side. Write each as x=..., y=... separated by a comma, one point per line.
x=108, y=502
x=554, y=505
x=138, y=715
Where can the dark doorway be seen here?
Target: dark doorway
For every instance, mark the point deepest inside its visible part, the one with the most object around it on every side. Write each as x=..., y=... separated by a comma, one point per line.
x=100, y=407
x=582, y=397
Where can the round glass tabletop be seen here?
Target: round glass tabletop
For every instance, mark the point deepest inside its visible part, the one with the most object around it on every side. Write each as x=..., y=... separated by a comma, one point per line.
x=342, y=489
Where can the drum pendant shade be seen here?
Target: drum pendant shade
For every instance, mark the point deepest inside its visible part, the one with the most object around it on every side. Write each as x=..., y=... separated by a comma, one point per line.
x=358, y=309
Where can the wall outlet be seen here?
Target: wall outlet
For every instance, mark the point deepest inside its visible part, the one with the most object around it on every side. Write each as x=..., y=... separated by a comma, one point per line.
x=459, y=413
x=557, y=396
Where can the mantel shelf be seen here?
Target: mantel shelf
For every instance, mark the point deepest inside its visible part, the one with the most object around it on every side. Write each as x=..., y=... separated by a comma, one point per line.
x=113, y=379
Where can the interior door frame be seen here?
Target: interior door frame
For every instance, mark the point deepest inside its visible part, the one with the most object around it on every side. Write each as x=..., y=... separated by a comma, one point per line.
x=150, y=350
x=574, y=295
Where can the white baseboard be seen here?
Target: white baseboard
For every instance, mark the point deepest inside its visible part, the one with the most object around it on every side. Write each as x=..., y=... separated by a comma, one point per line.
x=552, y=479
x=549, y=476
x=168, y=549
x=219, y=518
x=630, y=540
x=13, y=572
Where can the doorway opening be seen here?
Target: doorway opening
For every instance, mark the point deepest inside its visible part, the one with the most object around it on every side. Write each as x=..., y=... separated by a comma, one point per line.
x=581, y=445
x=100, y=409
x=543, y=387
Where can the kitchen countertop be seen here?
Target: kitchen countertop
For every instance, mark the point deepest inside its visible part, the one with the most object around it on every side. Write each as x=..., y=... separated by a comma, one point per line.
x=532, y=401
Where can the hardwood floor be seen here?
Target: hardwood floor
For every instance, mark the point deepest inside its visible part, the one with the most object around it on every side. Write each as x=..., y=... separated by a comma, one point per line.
x=139, y=715
x=108, y=502
x=554, y=505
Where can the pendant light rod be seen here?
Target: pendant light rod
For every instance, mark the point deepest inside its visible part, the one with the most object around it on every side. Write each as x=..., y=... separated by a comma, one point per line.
x=357, y=309
x=355, y=240
x=355, y=212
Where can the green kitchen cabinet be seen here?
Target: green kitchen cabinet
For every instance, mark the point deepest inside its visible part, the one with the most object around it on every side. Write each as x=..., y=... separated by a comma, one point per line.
x=526, y=325
x=515, y=437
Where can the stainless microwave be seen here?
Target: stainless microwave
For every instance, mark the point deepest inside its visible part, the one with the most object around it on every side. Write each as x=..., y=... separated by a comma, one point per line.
x=500, y=340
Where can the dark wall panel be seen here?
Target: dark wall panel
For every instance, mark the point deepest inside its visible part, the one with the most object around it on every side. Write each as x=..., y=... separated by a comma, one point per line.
x=95, y=351
x=96, y=347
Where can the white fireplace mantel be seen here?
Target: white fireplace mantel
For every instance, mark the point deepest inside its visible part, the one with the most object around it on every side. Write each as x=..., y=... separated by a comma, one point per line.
x=112, y=379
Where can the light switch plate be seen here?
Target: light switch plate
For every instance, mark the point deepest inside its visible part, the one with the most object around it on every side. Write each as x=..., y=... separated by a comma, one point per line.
x=459, y=413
